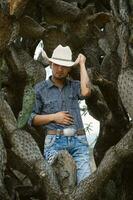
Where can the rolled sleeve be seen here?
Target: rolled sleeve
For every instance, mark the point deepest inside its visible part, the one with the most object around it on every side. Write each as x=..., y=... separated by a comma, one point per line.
x=37, y=107
x=78, y=89
x=31, y=119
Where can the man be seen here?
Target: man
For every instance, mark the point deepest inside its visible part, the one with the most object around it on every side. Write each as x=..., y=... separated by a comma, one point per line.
x=57, y=109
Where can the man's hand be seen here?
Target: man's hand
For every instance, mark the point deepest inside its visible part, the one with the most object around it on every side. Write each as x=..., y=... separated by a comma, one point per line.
x=84, y=78
x=63, y=117
x=81, y=59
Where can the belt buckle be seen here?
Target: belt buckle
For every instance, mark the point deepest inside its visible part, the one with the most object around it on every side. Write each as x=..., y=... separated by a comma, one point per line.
x=69, y=131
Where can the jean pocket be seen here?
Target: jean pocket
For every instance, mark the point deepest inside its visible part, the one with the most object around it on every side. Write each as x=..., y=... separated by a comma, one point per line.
x=49, y=140
x=82, y=139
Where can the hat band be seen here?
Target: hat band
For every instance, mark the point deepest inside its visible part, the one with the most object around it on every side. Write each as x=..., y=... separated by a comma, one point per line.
x=61, y=59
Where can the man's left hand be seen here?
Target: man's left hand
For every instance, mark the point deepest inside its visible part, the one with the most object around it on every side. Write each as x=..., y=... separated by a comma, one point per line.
x=81, y=59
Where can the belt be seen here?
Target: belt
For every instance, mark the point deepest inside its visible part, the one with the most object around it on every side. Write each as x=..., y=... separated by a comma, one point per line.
x=62, y=132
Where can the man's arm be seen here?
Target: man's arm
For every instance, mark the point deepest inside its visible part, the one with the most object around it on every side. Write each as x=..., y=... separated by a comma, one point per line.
x=59, y=117
x=39, y=120
x=84, y=79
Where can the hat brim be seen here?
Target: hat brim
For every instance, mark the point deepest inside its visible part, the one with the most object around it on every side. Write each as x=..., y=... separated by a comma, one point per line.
x=62, y=62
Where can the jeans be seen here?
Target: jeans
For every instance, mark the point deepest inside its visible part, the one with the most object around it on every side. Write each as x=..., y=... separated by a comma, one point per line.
x=77, y=146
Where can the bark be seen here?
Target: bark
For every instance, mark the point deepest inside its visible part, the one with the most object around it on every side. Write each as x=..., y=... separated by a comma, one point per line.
x=6, y=28
x=30, y=28
x=3, y=161
x=32, y=158
x=113, y=158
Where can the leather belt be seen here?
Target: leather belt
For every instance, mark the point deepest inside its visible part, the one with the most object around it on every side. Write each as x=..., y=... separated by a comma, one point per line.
x=55, y=132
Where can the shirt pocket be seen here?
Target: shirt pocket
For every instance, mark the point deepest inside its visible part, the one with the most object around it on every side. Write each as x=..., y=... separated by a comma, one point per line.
x=51, y=106
x=73, y=101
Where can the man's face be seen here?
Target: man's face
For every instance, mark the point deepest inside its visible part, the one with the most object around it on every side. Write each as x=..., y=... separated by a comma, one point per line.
x=59, y=72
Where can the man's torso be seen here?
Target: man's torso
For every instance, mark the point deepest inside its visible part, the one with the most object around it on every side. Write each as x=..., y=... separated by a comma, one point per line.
x=55, y=100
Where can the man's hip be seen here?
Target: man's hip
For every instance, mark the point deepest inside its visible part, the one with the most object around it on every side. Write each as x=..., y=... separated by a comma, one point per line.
x=66, y=132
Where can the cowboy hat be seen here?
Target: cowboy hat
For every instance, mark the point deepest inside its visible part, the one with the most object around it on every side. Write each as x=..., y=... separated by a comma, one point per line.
x=61, y=56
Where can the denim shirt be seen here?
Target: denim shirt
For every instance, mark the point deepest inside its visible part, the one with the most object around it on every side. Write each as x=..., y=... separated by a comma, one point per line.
x=51, y=99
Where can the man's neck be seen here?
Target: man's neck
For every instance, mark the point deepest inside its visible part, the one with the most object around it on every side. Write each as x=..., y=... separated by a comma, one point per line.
x=58, y=82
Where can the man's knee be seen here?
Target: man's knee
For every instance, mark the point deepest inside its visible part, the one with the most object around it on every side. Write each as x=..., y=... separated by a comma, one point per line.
x=83, y=172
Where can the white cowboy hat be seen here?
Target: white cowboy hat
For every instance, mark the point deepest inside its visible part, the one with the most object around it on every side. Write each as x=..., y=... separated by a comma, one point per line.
x=62, y=56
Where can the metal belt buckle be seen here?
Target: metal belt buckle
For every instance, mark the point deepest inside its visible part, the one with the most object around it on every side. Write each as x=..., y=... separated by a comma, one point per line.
x=69, y=131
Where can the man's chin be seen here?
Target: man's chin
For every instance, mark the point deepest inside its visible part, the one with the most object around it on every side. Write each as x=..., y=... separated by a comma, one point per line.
x=60, y=77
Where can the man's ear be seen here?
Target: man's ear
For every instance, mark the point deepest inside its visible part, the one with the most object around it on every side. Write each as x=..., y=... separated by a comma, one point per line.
x=69, y=72
x=70, y=69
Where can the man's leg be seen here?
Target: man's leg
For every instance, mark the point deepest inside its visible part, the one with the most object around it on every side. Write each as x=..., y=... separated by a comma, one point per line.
x=80, y=153
x=53, y=144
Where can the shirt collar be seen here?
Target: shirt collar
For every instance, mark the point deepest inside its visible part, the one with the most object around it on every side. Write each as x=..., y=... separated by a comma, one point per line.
x=51, y=84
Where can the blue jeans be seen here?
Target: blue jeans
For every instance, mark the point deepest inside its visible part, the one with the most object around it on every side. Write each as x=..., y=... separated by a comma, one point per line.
x=77, y=146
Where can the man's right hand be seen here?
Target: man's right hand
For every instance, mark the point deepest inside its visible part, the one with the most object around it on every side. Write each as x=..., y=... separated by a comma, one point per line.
x=63, y=117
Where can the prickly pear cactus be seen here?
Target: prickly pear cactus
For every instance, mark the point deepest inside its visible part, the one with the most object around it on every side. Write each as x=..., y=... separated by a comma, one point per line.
x=28, y=102
x=34, y=72
x=3, y=159
x=125, y=86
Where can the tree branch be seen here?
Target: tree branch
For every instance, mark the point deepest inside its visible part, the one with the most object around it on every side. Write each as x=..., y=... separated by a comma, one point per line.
x=3, y=161
x=24, y=146
x=30, y=28
x=90, y=188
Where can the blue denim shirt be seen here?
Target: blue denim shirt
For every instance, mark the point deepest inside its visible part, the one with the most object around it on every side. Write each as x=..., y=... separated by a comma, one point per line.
x=51, y=99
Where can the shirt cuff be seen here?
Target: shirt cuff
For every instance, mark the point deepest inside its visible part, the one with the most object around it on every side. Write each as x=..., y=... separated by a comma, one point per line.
x=30, y=121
